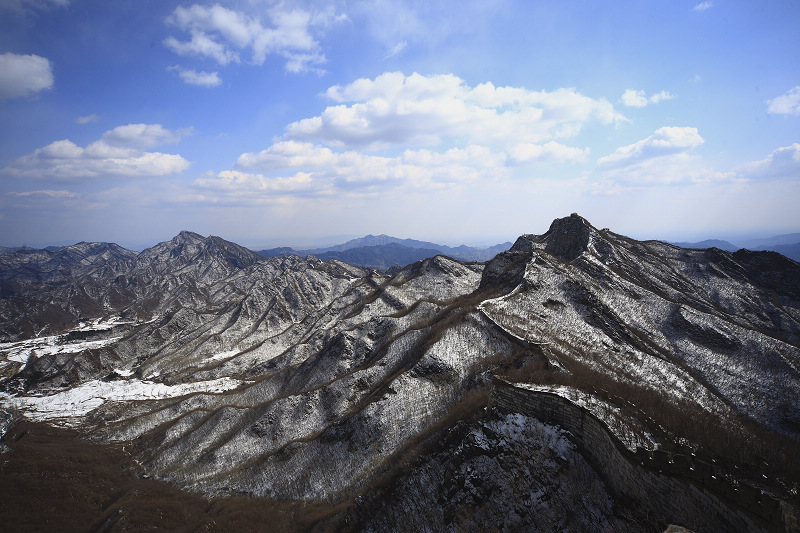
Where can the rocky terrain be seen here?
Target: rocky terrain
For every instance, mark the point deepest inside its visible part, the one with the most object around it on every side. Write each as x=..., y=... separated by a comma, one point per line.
x=300, y=380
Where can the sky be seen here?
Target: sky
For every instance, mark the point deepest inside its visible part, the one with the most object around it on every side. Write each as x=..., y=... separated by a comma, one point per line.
x=298, y=123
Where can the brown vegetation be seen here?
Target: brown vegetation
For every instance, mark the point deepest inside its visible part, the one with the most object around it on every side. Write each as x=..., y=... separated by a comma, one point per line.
x=53, y=480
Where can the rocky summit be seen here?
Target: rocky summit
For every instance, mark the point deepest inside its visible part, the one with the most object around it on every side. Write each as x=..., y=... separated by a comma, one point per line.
x=375, y=396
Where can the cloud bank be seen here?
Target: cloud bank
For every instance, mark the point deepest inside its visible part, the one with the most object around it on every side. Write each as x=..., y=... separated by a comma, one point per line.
x=120, y=153
x=423, y=133
x=394, y=109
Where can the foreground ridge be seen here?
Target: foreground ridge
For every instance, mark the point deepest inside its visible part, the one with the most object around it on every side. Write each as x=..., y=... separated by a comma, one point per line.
x=680, y=488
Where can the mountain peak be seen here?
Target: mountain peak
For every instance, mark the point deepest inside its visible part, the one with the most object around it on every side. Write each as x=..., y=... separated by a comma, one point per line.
x=567, y=238
x=188, y=236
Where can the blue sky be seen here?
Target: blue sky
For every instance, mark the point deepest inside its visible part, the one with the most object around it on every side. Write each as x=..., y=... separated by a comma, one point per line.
x=294, y=123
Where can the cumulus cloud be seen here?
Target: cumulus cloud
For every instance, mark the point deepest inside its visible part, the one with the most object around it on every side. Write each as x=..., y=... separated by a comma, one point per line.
x=786, y=104
x=202, y=78
x=88, y=119
x=119, y=153
x=437, y=133
x=702, y=6
x=632, y=98
x=394, y=109
x=221, y=34
x=23, y=75
x=666, y=141
x=783, y=163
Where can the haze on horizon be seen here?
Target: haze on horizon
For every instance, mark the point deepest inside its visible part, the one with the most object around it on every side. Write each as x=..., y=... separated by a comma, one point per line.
x=278, y=123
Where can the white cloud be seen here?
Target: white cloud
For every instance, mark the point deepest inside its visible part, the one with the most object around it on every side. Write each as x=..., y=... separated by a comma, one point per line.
x=22, y=75
x=632, y=98
x=783, y=163
x=298, y=63
x=439, y=134
x=220, y=34
x=786, y=104
x=88, y=119
x=202, y=78
x=202, y=45
x=663, y=158
x=352, y=170
x=118, y=154
x=416, y=110
x=547, y=152
x=291, y=168
x=702, y=6
x=396, y=49
x=143, y=136
x=666, y=141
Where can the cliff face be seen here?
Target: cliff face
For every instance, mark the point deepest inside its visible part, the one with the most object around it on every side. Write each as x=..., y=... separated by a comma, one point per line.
x=299, y=379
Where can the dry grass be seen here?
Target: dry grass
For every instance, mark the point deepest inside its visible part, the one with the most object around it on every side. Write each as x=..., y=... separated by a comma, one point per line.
x=52, y=480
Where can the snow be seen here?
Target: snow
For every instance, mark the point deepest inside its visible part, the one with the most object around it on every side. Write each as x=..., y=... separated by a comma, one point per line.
x=82, y=400
x=22, y=351
x=102, y=323
x=224, y=355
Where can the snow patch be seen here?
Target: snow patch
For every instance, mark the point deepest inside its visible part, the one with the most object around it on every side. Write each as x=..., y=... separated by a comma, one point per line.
x=224, y=355
x=80, y=401
x=22, y=351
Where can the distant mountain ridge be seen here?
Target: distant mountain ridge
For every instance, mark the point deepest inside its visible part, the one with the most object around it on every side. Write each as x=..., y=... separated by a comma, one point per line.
x=787, y=245
x=384, y=251
x=777, y=240
x=709, y=243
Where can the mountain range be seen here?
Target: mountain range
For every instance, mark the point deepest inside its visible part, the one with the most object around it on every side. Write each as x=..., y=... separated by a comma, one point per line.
x=787, y=244
x=353, y=399
x=383, y=252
